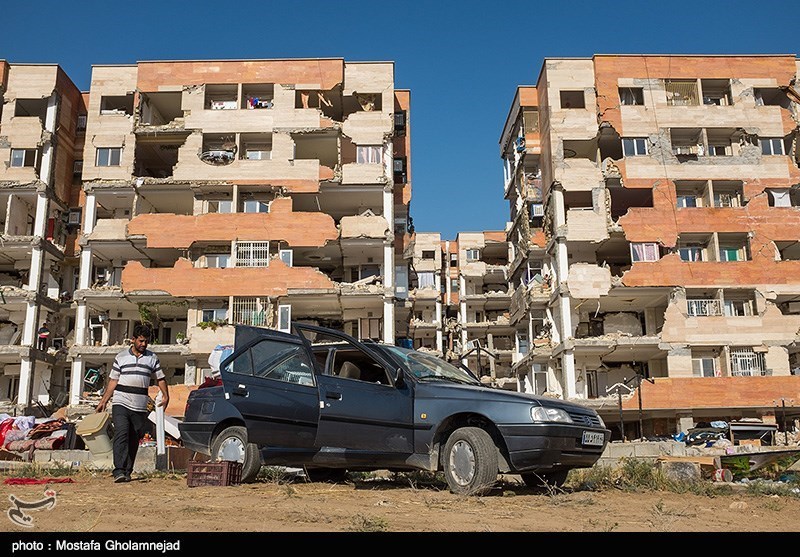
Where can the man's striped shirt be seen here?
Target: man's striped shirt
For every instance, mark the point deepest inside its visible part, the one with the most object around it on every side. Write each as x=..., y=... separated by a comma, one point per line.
x=133, y=375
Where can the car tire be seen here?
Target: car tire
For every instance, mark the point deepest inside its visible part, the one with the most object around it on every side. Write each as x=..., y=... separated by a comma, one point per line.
x=470, y=461
x=231, y=444
x=332, y=475
x=538, y=480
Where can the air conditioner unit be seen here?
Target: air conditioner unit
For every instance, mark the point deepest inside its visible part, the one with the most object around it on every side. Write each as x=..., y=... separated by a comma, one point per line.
x=74, y=217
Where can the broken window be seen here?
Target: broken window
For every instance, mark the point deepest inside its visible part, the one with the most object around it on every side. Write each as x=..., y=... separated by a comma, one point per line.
x=645, y=251
x=690, y=194
x=31, y=107
x=222, y=97
x=631, y=96
x=256, y=146
x=634, y=146
x=156, y=155
x=771, y=145
x=720, y=142
x=572, y=99
x=581, y=149
x=218, y=149
x=257, y=95
x=739, y=303
x=788, y=250
x=771, y=96
x=783, y=197
x=716, y=92
x=681, y=92
x=117, y=104
x=728, y=194
x=24, y=157
x=369, y=154
x=108, y=156
x=686, y=142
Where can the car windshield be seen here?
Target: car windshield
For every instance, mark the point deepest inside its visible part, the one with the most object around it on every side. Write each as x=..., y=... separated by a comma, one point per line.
x=427, y=367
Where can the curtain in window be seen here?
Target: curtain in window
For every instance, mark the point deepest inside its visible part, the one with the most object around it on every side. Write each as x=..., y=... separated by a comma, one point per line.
x=780, y=198
x=368, y=154
x=426, y=280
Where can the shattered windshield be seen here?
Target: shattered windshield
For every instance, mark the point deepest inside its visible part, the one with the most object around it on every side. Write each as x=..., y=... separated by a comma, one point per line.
x=426, y=367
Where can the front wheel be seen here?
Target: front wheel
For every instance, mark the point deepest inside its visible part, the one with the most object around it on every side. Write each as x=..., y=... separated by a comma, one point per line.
x=231, y=444
x=470, y=461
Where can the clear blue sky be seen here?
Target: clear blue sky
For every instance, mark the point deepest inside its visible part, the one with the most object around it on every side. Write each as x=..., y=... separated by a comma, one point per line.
x=461, y=60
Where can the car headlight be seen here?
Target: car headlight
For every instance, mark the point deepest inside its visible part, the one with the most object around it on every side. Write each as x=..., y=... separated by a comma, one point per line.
x=542, y=414
x=602, y=423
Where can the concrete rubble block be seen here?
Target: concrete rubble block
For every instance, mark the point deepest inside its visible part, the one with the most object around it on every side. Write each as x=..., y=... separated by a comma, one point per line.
x=681, y=471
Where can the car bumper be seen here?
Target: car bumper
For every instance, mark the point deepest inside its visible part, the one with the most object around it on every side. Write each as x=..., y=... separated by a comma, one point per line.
x=197, y=435
x=545, y=447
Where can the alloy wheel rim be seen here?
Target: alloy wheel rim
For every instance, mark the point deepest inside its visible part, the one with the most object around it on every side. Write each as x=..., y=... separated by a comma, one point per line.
x=462, y=462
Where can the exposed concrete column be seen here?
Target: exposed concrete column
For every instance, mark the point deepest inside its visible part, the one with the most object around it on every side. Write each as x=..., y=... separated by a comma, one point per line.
x=45, y=170
x=564, y=308
x=26, y=369
x=388, y=267
x=439, y=325
x=685, y=421
x=462, y=314
x=76, y=380
x=490, y=346
x=388, y=320
x=190, y=373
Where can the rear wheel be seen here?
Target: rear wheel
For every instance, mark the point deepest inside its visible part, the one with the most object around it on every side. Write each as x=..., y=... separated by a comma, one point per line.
x=545, y=479
x=470, y=461
x=231, y=444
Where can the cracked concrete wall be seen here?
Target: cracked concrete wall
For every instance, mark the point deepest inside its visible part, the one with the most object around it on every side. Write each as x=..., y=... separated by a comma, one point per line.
x=427, y=241
x=364, y=227
x=587, y=281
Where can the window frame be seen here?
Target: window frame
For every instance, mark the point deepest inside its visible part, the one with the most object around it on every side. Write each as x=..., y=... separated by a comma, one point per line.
x=109, y=156
x=637, y=144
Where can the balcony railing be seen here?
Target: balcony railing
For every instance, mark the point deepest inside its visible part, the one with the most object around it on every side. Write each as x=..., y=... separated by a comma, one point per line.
x=704, y=308
x=746, y=363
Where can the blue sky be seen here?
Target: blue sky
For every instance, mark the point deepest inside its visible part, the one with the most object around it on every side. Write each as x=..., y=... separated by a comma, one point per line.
x=462, y=60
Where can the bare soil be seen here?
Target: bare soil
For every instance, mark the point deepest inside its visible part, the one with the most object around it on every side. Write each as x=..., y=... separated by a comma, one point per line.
x=92, y=503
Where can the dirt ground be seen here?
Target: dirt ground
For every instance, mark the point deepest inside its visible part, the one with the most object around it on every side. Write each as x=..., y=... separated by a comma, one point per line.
x=92, y=503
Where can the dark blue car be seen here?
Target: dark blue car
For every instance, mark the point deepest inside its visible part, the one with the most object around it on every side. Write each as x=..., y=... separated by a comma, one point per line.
x=321, y=400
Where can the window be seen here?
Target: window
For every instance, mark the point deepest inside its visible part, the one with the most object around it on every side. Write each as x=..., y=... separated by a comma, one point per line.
x=258, y=153
x=255, y=206
x=572, y=99
x=703, y=307
x=250, y=310
x=369, y=154
x=215, y=314
x=771, y=145
x=705, y=367
x=218, y=261
x=644, y=251
x=719, y=150
x=122, y=104
x=539, y=372
x=687, y=201
x=23, y=157
x=287, y=256
x=252, y=254
x=738, y=308
x=732, y=254
x=716, y=92
x=285, y=318
x=530, y=120
x=454, y=260
x=681, y=92
x=634, y=146
x=428, y=254
x=77, y=168
x=108, y=156
x=400, y=122
x=81, y=124
x=537, y=210
x=399, y=166
x=426, y=280
x=691, y=253
x=522, y=343
x=215, y=206
x=629, y=96
x=747, y=362
x=454, y=284
x=473, y=255
x=780, y=198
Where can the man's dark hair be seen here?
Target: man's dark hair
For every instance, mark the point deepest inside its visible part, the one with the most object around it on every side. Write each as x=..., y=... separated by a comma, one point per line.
x=142, y=330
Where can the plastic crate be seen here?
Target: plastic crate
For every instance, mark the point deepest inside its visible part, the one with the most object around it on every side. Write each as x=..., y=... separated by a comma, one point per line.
x=224, y=472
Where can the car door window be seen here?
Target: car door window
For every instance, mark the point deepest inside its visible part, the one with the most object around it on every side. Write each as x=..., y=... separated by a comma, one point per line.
x=242, y=364
x=350, y=363
x=282, y=361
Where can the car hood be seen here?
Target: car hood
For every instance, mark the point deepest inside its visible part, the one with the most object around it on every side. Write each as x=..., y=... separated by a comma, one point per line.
x=442, y=389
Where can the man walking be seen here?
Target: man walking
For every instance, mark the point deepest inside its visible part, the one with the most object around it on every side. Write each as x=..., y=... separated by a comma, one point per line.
x=128, y=382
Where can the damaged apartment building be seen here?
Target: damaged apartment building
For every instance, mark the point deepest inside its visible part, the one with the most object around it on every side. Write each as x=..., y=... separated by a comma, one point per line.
x=213, y=193
x=41, y=138
x=458, y=302
x=655, y=219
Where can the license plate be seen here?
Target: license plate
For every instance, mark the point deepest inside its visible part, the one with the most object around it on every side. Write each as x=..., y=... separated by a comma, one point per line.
x=593, y=438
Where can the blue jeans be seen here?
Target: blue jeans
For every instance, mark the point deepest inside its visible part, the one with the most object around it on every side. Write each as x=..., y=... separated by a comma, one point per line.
x=129, y=427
